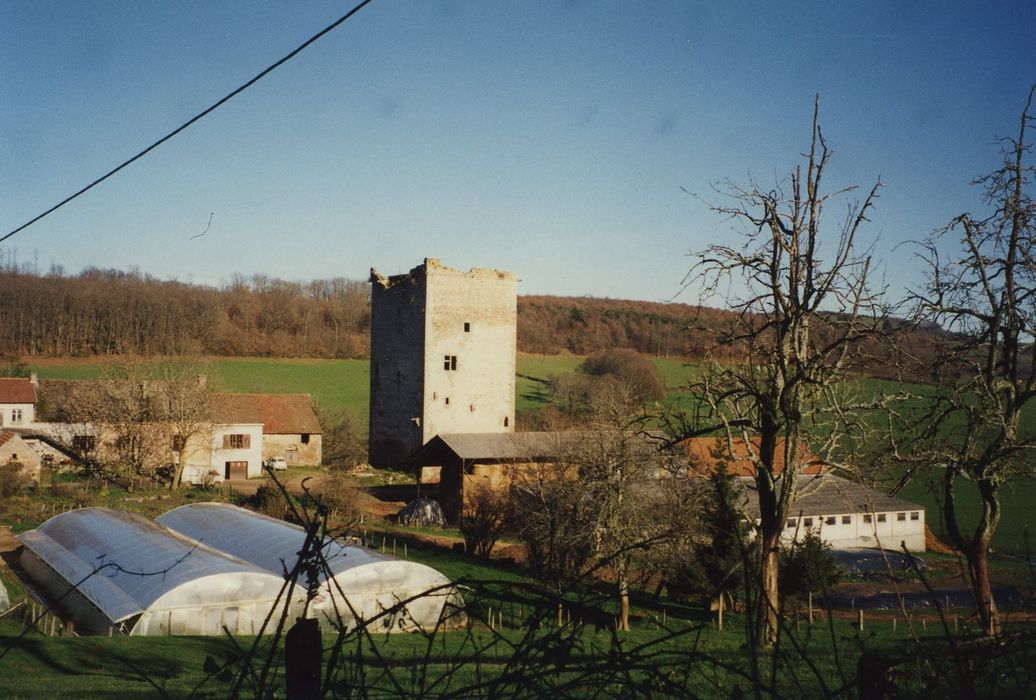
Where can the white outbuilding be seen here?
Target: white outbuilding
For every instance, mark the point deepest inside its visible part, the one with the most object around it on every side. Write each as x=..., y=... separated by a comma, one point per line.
x=113, y=571
x=356, y=583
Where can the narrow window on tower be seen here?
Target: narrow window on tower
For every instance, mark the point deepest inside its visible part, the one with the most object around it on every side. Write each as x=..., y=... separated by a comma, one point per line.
x=449, y=362
x=506, y=420
x=467, y=327
x=447, y=400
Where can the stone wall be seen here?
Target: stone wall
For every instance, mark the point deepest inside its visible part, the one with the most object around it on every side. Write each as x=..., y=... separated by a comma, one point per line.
x=442, y=357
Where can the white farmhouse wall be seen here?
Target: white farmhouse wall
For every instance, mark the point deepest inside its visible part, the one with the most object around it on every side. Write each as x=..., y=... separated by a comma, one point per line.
x=253, y=454
x=885, y=530
x=17, y=415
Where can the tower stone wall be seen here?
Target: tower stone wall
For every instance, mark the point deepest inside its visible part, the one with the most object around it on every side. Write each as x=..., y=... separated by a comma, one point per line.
x=442, y=357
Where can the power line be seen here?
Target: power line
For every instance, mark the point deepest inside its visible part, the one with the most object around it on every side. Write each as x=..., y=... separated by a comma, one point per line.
x=186, y=124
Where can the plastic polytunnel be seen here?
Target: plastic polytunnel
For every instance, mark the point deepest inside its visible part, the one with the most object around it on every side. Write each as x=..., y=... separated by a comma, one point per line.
x=356, y=583
x=113, y=571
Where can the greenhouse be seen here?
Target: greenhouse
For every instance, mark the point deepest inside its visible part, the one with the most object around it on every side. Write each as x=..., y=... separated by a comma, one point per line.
x=116, y=572
x=355, y=584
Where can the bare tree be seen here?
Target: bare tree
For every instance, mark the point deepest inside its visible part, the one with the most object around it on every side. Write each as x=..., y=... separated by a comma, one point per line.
x=187, y=405
x=984, y=295
x=145, y=413
x=802, y=324
x=597, y=509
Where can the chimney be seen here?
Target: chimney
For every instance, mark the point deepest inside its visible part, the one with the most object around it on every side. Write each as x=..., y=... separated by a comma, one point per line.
x=34, y=380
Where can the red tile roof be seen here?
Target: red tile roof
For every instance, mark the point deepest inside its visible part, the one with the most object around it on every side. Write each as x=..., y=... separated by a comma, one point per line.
x=17, y=390
x=288, y=414
x=235, y=408
x=708, y=454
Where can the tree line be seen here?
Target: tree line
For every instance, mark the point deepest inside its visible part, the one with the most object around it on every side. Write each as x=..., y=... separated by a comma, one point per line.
x=114, y=312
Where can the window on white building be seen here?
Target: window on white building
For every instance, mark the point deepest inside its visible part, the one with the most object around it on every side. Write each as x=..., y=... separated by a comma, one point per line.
x=16, y=416
x=915, y=515
x=847, y=519
x=830, y=520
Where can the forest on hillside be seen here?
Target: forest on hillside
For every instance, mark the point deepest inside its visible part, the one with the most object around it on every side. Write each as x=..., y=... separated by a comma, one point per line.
x=114, y=312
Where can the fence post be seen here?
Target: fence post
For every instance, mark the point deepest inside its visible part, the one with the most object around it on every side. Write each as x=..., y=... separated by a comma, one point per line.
x=811, y=608
x=720, y=617
x=859, y=618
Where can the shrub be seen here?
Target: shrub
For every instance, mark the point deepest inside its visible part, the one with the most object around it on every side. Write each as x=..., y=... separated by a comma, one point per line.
x=484, y=519
x=808, y=567
x=13, y=479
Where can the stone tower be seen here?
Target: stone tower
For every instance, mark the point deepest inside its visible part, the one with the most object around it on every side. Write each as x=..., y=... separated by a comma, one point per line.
x=442, y=357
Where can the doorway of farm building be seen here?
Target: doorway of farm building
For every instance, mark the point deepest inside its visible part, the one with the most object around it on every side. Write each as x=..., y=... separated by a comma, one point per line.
x=236, y=470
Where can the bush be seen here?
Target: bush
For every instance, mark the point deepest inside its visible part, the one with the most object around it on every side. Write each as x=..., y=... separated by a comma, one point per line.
x=484, y=519
x=344, y=440
x=631, y=369
x=13, y=479
x=808, y=567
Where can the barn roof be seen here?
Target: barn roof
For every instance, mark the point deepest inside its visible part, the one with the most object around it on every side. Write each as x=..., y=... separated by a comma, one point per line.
x=285, y=414
x=827, y=494
x=708, y=455
x=236, y=408
x=498, y=446
x=17, y=390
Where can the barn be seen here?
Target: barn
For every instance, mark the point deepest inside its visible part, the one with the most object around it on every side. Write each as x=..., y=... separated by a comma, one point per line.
x=118, y=572
x=356, y=584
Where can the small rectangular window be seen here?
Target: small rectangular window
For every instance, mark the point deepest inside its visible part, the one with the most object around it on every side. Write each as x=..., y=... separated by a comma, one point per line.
x=901, y=517
x=866, y=517
x=449, y=362
x=915, y=516
x=830, y=520
x=84, y=443
x=790, y=524
x=506, y=420
x=467, y=327
x=847, y=519
x=447, y=400
x=808, y=522
x=305, y=438
x=881, y=517
x=16, y=415
x=237, y=441
x=178, y=443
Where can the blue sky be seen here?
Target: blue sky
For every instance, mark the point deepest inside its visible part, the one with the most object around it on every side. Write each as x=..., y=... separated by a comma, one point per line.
x=547, y=138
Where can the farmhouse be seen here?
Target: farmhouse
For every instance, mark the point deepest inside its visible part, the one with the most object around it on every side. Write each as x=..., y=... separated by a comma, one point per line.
x=117, y=572
x=18, y=401
x=291, y=428
x=845, y=514
x=357, y=583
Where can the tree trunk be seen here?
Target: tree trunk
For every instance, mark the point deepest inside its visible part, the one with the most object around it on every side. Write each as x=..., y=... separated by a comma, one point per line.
x=767, y=600
x=174, y=484
x=624, y=603
x=978, y=558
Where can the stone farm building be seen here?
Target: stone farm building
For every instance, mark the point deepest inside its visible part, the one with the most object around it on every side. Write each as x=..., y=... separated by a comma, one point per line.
x=18, y=401
x=241, y=431
x=442, y=397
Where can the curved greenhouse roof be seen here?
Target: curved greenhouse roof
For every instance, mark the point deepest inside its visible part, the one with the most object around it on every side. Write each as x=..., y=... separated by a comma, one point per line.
x=112, y=569
x=363, y=584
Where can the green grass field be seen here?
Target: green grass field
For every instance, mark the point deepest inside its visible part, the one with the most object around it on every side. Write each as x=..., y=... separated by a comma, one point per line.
x=671, y=639
x=345, y=384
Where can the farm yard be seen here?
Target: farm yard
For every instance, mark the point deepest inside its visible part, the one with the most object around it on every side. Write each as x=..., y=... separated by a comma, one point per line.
x=345, y=384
